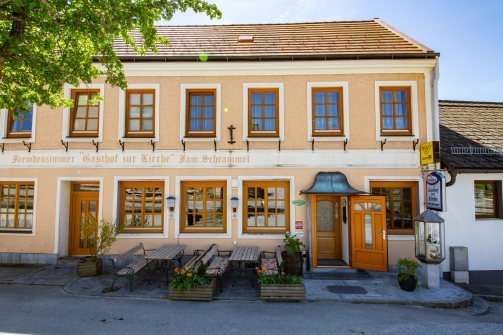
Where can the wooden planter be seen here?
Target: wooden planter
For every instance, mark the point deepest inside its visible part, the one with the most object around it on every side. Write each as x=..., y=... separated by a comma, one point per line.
x=202, y=293
x=89, y=268
x=282, y=292
x=292, y=263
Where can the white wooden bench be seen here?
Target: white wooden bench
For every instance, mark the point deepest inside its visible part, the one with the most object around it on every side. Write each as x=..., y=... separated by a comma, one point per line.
x=274, y=263
x=129, y=270
x=218, y=265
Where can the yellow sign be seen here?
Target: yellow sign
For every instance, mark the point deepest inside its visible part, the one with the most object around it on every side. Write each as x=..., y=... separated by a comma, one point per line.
x=430, y=153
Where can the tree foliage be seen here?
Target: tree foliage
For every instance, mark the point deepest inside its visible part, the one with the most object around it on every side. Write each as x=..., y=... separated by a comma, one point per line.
x=47, y=43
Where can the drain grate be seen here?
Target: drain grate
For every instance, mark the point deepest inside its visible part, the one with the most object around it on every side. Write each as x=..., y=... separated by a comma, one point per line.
x=347, y=289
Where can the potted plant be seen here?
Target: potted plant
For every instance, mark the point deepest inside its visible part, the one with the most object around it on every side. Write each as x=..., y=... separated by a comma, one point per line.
x=99, y=238
x=292, y=257
x=407, y=278
x=279, y=286
x=186, y=284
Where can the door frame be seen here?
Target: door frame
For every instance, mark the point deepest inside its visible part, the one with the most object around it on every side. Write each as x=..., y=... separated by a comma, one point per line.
x=73, y=230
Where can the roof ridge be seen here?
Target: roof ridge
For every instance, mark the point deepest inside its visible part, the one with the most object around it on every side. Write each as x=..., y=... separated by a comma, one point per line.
x=470, y=102
x=261, y=24
x=403, y=35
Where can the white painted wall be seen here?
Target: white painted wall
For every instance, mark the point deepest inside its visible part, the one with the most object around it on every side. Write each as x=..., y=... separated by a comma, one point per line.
x=482, y=237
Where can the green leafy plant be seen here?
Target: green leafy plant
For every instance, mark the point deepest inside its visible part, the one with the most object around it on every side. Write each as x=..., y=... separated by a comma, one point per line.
x=100, y=237
x=185, y=279
x=269, y=277
x=407, y=269
x=292, y=244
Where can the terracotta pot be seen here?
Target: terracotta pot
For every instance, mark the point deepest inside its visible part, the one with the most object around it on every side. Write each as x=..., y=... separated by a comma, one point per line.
x=409, y=285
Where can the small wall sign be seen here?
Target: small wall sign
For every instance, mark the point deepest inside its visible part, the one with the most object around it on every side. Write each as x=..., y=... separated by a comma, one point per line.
x=299, y=202
x=430, y=153
x=299, y=224
x=435, y=192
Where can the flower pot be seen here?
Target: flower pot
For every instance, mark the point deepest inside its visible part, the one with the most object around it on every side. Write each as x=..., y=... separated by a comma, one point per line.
x=201, y=293
x=292, y=263
x=282, y=292
x=89, y=267
x=409, y=285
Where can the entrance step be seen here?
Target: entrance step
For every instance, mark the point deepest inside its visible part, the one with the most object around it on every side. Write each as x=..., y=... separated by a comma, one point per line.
x=69, y=260
x=337, y=274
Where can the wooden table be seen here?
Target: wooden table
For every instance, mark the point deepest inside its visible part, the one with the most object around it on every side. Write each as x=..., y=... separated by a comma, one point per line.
x=247, y=256
x=161, y=258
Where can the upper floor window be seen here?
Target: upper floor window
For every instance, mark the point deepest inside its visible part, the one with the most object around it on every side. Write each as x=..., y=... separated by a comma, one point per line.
x=200, y=113
x=20, y=124
x=263, y=112
x=396, y=111
x=16, y=210
x=85, y=114
x=401, y=204
x=266, y=206
x=140, y=116
x=141, y=206
x=327, y=110
x=487, y=199
x=204, y=207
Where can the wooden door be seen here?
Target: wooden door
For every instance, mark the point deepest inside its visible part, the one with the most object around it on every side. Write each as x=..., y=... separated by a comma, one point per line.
x=369, y=247
x=84, y=207
x=328, y=227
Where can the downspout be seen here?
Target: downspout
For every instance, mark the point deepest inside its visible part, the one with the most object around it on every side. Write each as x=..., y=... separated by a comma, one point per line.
x=453, y=174
x=434, y=101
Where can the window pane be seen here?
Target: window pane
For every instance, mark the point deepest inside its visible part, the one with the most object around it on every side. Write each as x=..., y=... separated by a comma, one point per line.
x=387, y=96
x=269, y=111
x=134, y=98
x=208, y=99
x=387, y=109
x=207, y=125
x=256, y=98
x=333, y=110
x=146, y=125
x=319, y=97
x=80, y=125
x=271, y=220
x=320, y=110
x=387, y=123
x=269, y=124
x=195, y=125
x=16, y=126
x=195, y=112
x=320, y=123
x=401, y=109
x=147, y=112
x=333, y=96
x=195, y=99
x=368, y=231
x=134, y=125
x=400, y=96
x=269, y=98
x=256, y=124
x=81, y=112
x=134, y=112
x=82, y=99
x=484, y=199
x=92, y=112
x=333, y=124
x=251, y=222
x=256, y=111
x=92, y=125
x=401, y=123
x=148, y=98
x=208, y=112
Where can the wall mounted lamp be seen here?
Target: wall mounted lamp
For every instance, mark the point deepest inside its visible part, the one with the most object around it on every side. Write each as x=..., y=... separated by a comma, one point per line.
x=234, y=204
x=170, y=201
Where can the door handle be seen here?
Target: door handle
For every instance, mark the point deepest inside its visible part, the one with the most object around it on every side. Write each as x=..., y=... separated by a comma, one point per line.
x=383, y=233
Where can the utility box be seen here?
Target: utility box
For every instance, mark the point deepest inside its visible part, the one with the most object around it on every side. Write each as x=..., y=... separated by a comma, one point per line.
x=458, y=258
x=459, y=264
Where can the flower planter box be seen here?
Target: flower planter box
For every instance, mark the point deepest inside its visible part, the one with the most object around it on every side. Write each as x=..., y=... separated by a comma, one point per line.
x=202, y=293
x=282, y=292
x=89, y=268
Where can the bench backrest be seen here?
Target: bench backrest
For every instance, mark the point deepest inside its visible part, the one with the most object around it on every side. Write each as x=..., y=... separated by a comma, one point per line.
x=205, y=258
x=127, y=253
x=278, y=257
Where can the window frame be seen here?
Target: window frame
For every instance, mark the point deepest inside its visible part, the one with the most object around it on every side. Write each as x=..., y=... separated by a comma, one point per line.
x=15, y=230
x=67, y=92
x=200, y=133
x=123, y=184
x=10, y=123
x=140, y=134
x=265, y=183
x=497, y=204
x=281, y=111
x=5, y=125
x=263, y=133
x=340, y=104
x=414, y=111
x=395, y=131
x=83, y=133
x=414, y=201
x=183, y=228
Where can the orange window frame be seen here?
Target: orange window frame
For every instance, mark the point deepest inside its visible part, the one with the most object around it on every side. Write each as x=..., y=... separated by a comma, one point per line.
x=408, y=105
x=18, y=213
x=142, y=215
x=253, y=128
x=201, y=118
x=22, y=119
x=193, y=221
x=257, y=214
x=397, y=198
x=329, y=130
x=76, y=93
x=141, y=117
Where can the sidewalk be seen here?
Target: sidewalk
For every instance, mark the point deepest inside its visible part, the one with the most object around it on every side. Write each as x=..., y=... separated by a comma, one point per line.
x=375, y=288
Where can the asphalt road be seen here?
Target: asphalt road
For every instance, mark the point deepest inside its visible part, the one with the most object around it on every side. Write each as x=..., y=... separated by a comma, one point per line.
x=28, y=309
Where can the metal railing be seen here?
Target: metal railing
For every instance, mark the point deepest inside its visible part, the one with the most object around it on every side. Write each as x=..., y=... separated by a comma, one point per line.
x=476, y=151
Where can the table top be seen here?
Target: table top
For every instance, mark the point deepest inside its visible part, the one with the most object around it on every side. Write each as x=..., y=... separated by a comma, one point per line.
x=244, y=254
x=166, y=252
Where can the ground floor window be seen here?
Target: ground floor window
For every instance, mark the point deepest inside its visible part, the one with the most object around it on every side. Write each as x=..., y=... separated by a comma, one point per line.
x=486, y=193
x=142, y=209
x=16, y=206
x=267, y=206
x=401, y=204
x=204, y=207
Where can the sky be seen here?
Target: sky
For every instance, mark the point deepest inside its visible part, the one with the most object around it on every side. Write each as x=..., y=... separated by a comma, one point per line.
x=467, y=34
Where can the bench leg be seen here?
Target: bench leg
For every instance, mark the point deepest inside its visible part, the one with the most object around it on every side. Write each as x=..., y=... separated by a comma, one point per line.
x=111, y=287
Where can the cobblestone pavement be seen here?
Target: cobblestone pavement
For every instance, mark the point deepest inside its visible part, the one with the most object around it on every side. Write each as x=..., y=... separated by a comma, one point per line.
x=378, y=288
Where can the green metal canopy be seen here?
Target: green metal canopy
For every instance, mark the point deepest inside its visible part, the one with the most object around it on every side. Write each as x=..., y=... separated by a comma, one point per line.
x=331, y=183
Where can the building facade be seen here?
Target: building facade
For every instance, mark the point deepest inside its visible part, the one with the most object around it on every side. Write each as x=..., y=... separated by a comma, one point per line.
x=328, y=114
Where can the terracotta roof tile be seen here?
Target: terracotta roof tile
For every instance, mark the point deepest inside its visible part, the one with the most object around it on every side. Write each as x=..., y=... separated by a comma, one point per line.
x=471, y=124
x=282, y=40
